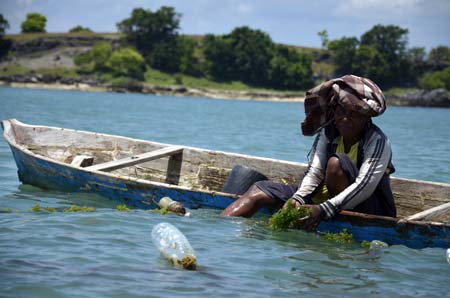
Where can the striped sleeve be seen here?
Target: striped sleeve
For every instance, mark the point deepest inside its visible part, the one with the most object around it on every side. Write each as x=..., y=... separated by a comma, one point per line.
x=316, y=169
x=377, y=154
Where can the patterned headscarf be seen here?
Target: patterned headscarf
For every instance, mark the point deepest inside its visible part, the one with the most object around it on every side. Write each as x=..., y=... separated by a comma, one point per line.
x=352, y=92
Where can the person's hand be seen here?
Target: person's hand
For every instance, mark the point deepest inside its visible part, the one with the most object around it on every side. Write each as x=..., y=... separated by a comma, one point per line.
x=311, y=222
x=295, y=203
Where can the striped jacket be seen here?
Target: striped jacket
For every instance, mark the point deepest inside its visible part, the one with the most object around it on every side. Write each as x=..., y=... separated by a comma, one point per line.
x=373, y=162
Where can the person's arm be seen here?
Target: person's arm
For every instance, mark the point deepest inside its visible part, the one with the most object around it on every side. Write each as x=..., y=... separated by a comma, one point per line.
x=316, y=169
x=377, y=154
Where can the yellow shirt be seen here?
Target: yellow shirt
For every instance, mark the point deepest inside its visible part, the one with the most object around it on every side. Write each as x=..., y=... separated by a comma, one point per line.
x=322, y=194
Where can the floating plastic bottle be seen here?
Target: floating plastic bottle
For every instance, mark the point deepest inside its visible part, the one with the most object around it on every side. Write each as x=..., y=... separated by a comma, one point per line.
x=174, y=246
x=377, y=244
x=448, y=256
x=171, y=205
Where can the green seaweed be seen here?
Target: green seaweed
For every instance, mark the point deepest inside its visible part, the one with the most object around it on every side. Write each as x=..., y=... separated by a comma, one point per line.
x=365, y=244
x=37, y=208
x=188, y=263
x=342, y=237
x=162, y=211
x=288, y=218
x=122, y=208
x=75, y=208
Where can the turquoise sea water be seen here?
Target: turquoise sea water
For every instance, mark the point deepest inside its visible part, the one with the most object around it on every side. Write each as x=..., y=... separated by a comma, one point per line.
x=110, y=254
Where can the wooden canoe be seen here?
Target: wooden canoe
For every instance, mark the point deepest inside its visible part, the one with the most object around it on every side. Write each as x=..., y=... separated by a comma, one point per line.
x=140, y=173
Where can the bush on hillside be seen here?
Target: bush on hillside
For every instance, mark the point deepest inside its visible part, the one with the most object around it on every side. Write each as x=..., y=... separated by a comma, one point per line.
x=127, y=62
x=436, y=80
x=80, y=29
x=100, y=54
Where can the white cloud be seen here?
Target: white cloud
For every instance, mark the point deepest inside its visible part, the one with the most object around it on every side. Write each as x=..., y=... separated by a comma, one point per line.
x=368, y=8
x=25, y=2
x=245, y=8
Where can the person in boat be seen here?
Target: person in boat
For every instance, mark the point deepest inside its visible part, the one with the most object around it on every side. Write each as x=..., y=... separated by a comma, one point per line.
x=349, y=162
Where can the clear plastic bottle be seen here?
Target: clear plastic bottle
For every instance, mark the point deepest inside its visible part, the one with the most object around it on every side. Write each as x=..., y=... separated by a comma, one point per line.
x=174, y=246
x=171, y=205
x=377, y=244
x=448, y=256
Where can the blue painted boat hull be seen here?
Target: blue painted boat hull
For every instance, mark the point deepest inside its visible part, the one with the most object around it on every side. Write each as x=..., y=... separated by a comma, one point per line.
x=49, y=175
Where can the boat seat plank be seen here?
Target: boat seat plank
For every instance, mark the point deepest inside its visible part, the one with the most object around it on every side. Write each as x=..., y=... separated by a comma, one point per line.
x=82, y=161
x=431, y=213
x=136, y=159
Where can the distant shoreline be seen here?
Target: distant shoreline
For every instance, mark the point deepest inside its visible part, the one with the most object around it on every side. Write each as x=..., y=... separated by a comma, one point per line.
x=164, y=90
x=418, y=98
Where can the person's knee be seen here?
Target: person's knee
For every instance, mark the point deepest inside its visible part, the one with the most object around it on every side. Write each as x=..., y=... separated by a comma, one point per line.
x=336, y=179
x=254, y=194
x=248, y=203
x=334, y=168
x=257, y=197
x=252, y=190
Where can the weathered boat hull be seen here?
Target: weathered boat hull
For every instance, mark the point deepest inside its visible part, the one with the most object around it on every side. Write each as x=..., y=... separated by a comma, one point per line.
x=49, y=174
x=140, y=194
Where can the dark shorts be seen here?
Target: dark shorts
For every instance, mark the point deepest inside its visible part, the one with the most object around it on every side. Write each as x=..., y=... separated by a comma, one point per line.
x=381, y=202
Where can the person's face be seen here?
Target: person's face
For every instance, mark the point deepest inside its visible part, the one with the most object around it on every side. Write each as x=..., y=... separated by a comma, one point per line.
x=350, y=124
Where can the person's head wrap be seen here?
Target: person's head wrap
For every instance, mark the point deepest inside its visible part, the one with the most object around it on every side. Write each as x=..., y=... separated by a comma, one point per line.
x=352, y=92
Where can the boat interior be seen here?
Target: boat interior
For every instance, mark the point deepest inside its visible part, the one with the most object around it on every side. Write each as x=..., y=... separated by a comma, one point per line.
x=184, y=166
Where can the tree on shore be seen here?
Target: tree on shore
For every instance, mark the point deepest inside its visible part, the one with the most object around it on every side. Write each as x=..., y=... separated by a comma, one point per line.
x=324, y=40
x=4, y=24
x=35, y=22
x=251, y=56
x=189, y=63
x=390, y=42
x=253, y=50
x=416, y=60
x=245, y=54
x=439, y=57
x=343, y=52
x=290, y=69
x=219, y=57
x=155, y=36
x=381, y=54
x=5, y=44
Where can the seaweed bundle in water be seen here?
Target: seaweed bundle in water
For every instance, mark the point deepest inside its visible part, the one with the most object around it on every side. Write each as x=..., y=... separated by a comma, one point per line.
x=342, y=237
x=288, y=218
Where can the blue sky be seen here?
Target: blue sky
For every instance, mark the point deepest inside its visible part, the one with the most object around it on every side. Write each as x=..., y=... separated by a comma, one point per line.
x=294, y=22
